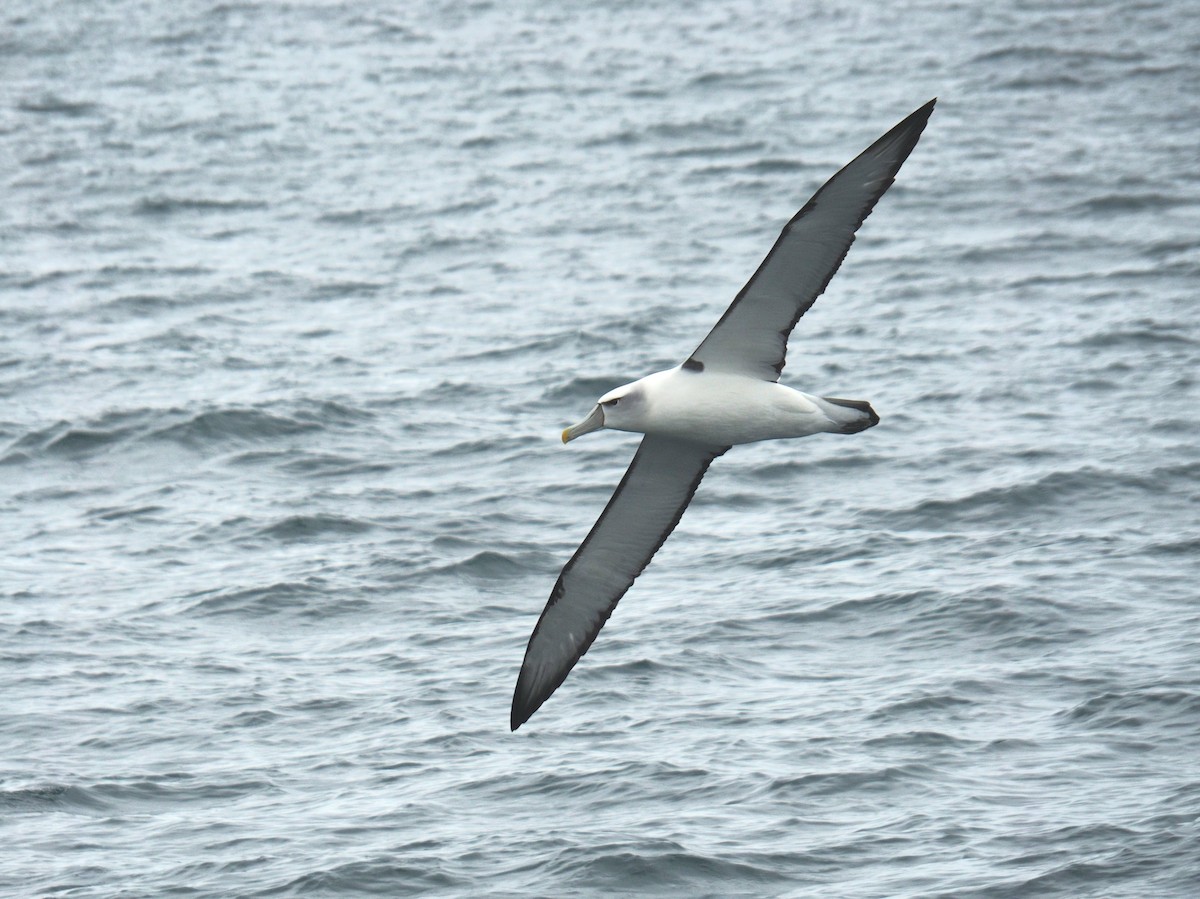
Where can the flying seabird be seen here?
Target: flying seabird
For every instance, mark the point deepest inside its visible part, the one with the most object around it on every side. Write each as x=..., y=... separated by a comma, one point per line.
x=725, y=393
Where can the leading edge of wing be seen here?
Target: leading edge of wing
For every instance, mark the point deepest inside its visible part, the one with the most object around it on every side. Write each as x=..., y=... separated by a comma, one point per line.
x=751, y=336
x=644, y=509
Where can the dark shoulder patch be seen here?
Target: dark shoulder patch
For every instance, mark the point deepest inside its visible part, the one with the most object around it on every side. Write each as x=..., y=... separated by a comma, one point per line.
x=693, y=365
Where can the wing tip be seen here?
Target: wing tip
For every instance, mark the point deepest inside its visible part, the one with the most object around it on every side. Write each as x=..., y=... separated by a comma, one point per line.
x=523, y=704
x=529, y=694
x=910, y=129
x=922, y=112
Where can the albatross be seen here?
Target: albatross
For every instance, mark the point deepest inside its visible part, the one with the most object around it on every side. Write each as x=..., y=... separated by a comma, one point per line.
x=725, y=393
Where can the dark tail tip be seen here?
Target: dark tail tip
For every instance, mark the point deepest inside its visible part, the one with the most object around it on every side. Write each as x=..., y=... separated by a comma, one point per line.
x=856, y=423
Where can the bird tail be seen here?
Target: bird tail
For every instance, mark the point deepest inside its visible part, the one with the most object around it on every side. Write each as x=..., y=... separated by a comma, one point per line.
x=849, y=416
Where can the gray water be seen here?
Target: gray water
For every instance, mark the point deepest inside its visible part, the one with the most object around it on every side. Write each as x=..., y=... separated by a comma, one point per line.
x=294, y=300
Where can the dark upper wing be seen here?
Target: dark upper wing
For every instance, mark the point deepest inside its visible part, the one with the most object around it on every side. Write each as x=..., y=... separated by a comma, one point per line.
x=751, y=337
x=642, y=513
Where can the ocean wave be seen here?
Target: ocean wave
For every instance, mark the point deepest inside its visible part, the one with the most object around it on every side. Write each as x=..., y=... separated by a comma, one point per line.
x=146, y=305
x=318, y=526
x=1043, y=82
x=1141, y=333
x=117, y=513
x=687, y=133
x=1043, y=52
x=122, y=797
x=1120, y=203
x=312, y=598
x=1156, y=708
x=923, y=705
x=336, y=290
x=76, y=800
x=834, y=783
x=365, y=215
x=792, y=470
x=709, y=151
x=632, y=669
x=536, y=346
x=738, y=79
x=385, y=877
x=82, y=441
x=324, y=465
x=874, y=607
x=34, y=799
x=993, y=615
x=757, y=167
x=494, y=446
x=1186, y=547
x=328, y=413
x=29, y=281
x=657, y=865
x=491, y=565
x=992, y=504
x=804, y=553
x=165, y=205
x=232, y=425
x=581, y=389
x=52, y=104
x=918, y=740
x=1093, y=385
x=75, y=440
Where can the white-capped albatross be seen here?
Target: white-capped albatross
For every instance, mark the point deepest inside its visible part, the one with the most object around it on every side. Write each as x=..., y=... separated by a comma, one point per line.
x=726, y=393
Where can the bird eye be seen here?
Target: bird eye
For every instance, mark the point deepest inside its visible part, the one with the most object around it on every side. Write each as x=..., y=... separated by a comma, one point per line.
x=612, y=402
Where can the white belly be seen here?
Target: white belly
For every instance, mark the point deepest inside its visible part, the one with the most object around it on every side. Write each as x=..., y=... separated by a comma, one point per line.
x=724, y=409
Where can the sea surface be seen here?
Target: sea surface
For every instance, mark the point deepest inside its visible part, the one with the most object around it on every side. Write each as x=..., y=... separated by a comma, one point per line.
x=295, y=299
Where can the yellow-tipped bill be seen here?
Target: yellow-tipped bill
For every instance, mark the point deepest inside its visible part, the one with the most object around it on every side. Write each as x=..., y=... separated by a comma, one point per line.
x=594, y=422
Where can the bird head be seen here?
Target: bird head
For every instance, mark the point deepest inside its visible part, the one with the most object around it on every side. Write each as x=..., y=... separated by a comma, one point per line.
x=618, y=409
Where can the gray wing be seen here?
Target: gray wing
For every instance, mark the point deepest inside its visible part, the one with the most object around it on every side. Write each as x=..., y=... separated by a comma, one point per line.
x=643, y=511
x=751, y=337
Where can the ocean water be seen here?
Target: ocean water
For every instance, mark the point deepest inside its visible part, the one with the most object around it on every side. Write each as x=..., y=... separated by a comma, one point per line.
x=294, y=301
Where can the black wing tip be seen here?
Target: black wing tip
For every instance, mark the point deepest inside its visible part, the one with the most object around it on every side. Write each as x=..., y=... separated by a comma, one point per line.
x=909, y=130
x=922, y=113
x=901, y=138
x=526, y=702
x=522, y=708
x=529, y=694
